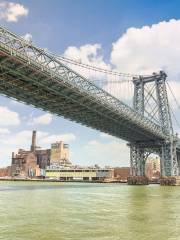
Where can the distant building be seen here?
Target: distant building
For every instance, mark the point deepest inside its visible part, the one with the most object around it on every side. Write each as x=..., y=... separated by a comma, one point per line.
x=33, y=162
x=121, y=173
x=5, y=172
x=152, y=168
x=88, y=174
x=60, y=154
x=43, y=155
x=30, y=163
x=24, y=164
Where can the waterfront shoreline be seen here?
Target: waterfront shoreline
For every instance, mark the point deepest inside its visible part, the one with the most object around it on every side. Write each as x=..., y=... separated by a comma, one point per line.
x=53, y=180
x=70, y=181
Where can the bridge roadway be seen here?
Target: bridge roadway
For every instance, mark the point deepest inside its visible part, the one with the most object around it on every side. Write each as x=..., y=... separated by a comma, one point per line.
x=35, y=77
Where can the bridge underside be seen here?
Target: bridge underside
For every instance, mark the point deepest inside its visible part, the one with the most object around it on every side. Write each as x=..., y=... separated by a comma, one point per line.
x=32, y=85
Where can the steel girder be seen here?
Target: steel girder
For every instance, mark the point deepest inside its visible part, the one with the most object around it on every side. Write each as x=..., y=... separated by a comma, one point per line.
x=43, y=81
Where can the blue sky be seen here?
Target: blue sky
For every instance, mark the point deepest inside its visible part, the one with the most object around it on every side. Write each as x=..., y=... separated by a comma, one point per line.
x=118, y=27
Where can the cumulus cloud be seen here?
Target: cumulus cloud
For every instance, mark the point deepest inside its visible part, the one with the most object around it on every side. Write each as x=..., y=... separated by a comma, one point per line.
x=46, y=138
x=28, y=37
x=44, y=119
x=22, y=139
x=11, y=12
x=4, y=131
x=148, y=49
x=112, y=153
x=8, y=117
x=90, y=54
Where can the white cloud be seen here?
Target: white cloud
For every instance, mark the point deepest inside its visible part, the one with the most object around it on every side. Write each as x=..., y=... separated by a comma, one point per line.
x=8, y=117
x=28, y=37
x=4, y=131
x=11, y=12
x=90, y=54
x=46, y=138
x=44, y=119
x=148, y=49
x=112, y=153
x=19, y=139
x=107, y=136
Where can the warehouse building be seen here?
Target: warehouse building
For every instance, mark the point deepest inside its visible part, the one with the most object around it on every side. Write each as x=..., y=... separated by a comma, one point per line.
x=86, y=174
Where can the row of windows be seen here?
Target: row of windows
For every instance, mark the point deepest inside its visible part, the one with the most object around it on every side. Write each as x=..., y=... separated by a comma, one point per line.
x=77, y=170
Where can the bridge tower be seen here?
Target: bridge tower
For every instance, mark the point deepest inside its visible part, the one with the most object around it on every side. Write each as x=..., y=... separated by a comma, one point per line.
x=151, y=101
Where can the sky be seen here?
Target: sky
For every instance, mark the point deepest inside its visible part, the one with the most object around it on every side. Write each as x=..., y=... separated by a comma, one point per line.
x=129, y=36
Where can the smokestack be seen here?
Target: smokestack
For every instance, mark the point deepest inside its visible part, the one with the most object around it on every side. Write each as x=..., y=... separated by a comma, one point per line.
x=33, y=145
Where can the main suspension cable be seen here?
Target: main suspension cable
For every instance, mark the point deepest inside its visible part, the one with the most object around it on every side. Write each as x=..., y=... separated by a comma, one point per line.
x=176, y=101
x=94, y=68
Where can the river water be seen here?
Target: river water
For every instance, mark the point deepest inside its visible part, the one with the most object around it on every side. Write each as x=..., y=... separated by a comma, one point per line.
x=58, y=211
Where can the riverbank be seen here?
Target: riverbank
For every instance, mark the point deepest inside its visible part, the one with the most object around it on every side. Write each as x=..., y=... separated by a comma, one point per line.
x=55, y=180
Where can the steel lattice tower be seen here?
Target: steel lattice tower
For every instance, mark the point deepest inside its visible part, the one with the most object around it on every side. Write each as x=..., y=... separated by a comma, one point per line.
x=168, y=148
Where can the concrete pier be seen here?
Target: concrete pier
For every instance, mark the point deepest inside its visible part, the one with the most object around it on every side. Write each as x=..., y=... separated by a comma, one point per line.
x=170, y=181
x=137, y=180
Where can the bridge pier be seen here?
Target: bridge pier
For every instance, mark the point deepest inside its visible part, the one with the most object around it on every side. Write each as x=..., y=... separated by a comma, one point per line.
x=138, y=157
x=169, y=154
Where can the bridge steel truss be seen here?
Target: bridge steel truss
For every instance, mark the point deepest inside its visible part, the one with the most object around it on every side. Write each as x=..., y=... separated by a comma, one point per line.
x=33, y=76
x=169, y=148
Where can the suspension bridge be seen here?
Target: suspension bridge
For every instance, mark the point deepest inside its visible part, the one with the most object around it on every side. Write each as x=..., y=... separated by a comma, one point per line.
x=134, y=108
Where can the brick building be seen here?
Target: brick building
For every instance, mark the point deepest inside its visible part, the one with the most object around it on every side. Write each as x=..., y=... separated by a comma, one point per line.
x=24, y=164
x=5, y=172
x=29, y=163
x=121, y=173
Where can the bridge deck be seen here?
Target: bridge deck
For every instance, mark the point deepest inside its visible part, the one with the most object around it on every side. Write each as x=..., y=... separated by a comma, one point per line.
x=32, y=76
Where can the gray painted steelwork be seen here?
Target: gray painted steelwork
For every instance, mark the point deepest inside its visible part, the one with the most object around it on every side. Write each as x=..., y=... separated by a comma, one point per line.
x=168, y=149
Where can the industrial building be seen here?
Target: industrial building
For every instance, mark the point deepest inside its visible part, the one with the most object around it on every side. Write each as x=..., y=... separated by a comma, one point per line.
x=60, y=154
x=24, y=164
x=30, y=163
x=33, y=162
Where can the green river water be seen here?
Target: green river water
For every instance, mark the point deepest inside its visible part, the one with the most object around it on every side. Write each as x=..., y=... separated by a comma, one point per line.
x=58, y=211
